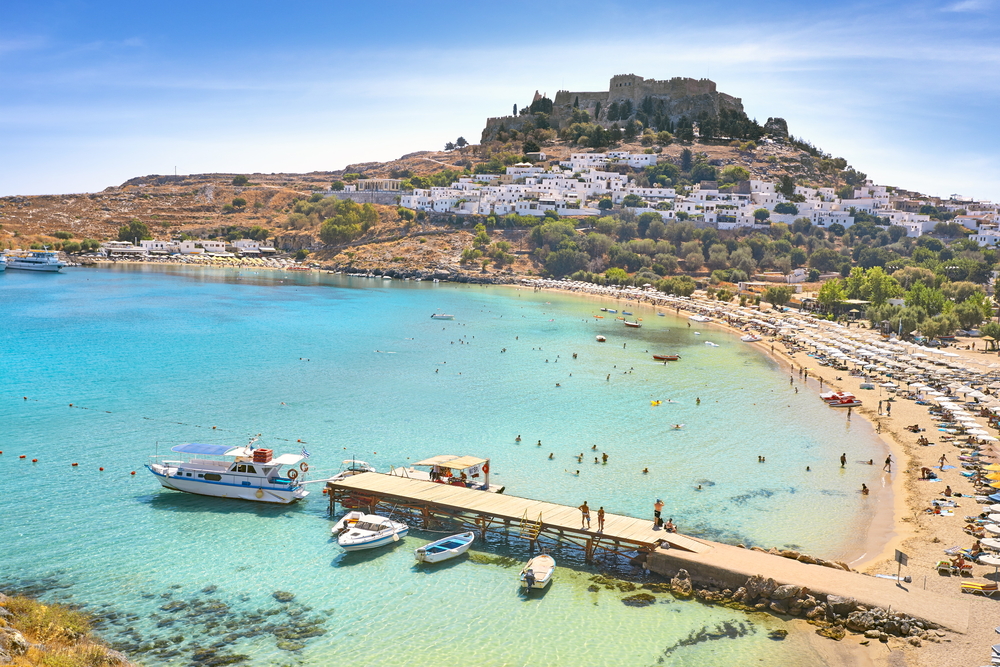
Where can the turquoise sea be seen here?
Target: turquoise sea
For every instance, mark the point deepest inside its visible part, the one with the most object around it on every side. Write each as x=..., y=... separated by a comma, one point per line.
x=155, y=356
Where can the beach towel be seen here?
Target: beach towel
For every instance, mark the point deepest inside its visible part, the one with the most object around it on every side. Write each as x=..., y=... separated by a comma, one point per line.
x=948, y=468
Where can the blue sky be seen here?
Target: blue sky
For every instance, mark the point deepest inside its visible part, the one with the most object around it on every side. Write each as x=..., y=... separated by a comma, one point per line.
x=94, y=93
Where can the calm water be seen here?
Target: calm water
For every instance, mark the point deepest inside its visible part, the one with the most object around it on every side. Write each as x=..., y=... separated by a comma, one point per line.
x=355, y=367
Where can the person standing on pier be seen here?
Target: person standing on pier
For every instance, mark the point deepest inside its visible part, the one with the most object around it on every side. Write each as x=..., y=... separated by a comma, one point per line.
x=600, y=519
x=657, y=508
x=585, y=514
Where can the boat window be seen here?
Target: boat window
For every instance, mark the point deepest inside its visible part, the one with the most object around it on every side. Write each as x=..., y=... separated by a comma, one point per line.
x=211, y=476
x=250, y=469
x=241, y=468
x=189, y=474
x=200, y=475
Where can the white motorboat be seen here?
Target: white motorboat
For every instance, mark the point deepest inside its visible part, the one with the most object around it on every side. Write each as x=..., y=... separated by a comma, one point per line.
x=357, y=531
x=3, y=262
x=751, y=338
x=34, y=260
x=445, y=548
x=700, y=318
x=352, y=467
x=537, y=573
x=243, y=473
x=442, y=316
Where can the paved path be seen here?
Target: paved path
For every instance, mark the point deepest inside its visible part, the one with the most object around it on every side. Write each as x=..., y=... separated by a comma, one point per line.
x=734, y=566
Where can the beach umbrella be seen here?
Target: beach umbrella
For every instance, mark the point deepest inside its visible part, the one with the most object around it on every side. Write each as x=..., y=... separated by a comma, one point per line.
x=993, y=528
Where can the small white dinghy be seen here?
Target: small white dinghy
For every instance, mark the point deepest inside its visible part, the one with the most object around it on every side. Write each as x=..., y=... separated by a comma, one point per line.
x=751, y=338
x=538, y=572
x=445, y=548
x=356, y=531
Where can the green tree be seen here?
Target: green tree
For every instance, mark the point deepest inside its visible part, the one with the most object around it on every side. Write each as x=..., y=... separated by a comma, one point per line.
x=778, y=295
x=616, y=276
x=879, y=287
x=240, y=180
x=761, y=214
x=605, y=204
x=825, y=259
x=239, y=202
x=733, y=174
x=347, y=221
x=530, y=146
x=694, y=260
x=786, y=208
x=461, y=142
x=134, y=232
x=337, y=186
x=632, y=201
x=930, y=299
x=686, y=159
x=787, y=186
x=991, y=329
x=908, y=275
x=831, y=293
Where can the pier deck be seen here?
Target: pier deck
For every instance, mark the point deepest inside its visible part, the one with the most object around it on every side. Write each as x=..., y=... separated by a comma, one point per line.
x=533, y=517
x=428, y=502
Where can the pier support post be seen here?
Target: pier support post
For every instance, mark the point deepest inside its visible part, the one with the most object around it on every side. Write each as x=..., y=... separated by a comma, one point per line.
x=589, y=550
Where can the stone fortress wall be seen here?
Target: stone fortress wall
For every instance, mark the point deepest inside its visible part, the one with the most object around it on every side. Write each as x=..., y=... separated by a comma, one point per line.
x=676, y=97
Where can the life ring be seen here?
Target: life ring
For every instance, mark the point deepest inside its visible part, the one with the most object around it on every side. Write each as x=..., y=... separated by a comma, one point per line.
x=304, y=467
x=293, y=473
x=486, y=468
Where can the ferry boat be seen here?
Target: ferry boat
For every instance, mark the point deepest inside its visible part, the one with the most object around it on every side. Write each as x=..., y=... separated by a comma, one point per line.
x=34, y=260
x=246, y=474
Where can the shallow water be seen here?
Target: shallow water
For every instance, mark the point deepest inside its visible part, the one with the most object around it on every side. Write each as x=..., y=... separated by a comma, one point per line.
x=355, y=367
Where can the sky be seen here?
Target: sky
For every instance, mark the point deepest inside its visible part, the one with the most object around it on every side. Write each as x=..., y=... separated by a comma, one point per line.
x=95, y=93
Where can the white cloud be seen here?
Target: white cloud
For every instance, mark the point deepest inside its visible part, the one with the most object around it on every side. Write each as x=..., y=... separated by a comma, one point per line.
x=969, y=6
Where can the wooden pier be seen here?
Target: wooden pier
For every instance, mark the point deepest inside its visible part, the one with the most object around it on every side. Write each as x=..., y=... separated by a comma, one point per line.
x=428, y=503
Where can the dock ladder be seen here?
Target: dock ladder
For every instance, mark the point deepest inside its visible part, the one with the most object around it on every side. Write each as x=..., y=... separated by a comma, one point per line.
x=530, y=529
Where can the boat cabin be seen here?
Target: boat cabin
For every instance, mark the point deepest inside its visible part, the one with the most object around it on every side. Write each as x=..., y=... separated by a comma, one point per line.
x=246, y=468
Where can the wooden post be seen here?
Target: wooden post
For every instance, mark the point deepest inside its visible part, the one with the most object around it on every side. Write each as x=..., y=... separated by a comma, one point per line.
x=589, y=551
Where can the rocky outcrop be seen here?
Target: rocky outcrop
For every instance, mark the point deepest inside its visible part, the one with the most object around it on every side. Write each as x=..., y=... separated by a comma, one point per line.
x=777, y=128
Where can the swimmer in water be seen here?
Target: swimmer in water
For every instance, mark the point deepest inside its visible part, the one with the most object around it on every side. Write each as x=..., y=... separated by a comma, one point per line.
x=645, y=471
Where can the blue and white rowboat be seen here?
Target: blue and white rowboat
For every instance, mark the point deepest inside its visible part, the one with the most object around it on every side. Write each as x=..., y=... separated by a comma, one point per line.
x=445, y=548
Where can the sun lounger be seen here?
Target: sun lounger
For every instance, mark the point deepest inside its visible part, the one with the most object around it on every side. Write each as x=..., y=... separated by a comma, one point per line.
x=985, y=589
x=943, y=567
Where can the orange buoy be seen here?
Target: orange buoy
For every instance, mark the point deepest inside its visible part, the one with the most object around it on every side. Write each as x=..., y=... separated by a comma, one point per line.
x=101, y=469
x=34, y=460
x=213, y=428
x=75, y=464
x=70, y=405
x=133, y=472
x=23, y=456
x=324, y=492
x=299, y=440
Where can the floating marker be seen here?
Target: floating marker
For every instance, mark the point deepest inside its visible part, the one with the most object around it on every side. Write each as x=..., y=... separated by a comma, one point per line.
x=75, y=464
x=133, y=472
x=101, y=469
x=34, y=460
x=23, y=456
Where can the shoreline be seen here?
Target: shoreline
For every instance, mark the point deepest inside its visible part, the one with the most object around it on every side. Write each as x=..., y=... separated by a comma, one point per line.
x=883, y=534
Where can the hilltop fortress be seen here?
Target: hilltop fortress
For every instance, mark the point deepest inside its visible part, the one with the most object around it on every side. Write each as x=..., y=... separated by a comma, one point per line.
x=653, y=102
x=676, y=97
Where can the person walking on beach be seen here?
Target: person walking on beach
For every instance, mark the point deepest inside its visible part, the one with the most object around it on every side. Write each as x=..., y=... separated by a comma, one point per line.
x=584, y=514
x=942, y=460
x=600, y=519
x=880, y=407
x=888, y=464
x=864, y=490
x=843, y=459
x=888, y=409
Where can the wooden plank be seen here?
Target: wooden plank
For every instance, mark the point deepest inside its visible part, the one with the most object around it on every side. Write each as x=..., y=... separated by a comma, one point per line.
x=441, y=497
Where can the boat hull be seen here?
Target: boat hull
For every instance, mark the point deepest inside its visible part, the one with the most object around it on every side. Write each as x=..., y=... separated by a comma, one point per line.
x=268, y=494
x=666, y=357
x=436, y=552
x=45, y=268
x=375, y=543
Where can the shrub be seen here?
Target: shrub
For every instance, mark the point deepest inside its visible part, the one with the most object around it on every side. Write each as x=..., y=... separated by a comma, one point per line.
x=62, y=235
x=240, y=179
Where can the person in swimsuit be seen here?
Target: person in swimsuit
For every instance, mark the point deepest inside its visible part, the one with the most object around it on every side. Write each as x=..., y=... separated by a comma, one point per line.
x=585, y=514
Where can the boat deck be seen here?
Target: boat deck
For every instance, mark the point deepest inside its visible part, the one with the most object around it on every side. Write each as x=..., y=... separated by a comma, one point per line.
x=553, y=520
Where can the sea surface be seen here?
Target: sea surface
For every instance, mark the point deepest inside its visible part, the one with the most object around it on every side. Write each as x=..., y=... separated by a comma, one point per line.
x=105, y=367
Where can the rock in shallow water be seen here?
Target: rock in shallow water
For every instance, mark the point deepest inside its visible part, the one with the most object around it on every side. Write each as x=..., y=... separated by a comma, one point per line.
x=283, y=596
